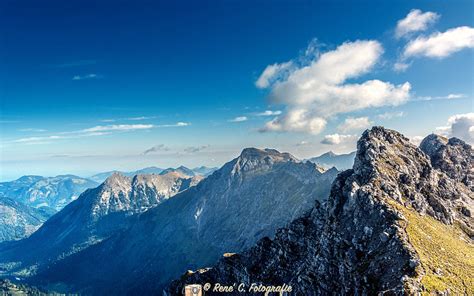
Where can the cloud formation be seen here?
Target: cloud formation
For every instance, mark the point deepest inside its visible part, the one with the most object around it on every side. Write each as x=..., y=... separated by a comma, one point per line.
x=337, y=139
x=269, y=113
x=239, y=119
x=86, y=77
x=351, y=124
x=460, y=126
x=138, y=118
x=415, y=21
x=433, y=98
x=303, y=143
x=177, y=124
x=272, y=73
x=117, y=127
x=416, y=140
x=318, y=90
x=98, y=130
x=390, y=115
x=440, y=45
x=156, y=148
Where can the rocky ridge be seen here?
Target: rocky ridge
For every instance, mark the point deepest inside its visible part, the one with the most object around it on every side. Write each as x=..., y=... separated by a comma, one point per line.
x=93, y=217
x=247, y=199
x=18, y=220
x=46, y=192
x=398, y=223
x=452, y=156
x=339, y=161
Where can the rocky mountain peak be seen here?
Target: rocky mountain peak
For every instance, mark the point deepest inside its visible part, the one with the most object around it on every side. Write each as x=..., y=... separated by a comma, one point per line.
x=432, y=143
x=259, y=154
x=142, y=191
x=254, y=159
x=394, y=224
x=117, y=180
x=384, y=153
x=454, y=157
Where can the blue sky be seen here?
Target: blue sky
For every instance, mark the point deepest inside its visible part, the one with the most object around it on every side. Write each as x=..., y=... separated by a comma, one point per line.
x=88, y=87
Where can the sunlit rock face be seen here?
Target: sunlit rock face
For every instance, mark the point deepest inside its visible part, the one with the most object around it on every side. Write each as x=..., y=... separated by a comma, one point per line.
x=398, y=223
x=247, y=199
x=97, y=214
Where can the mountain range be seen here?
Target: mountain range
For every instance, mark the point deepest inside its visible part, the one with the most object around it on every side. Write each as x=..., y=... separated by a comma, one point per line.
x=93, y=217
x=339, y=161
x=115, y=229
x=18, y=220
x=30, y=200
x=50, y=192
x=201, y=171
x=398, y=223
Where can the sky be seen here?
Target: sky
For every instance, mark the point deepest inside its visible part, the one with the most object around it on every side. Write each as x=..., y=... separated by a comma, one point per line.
x=92, y=86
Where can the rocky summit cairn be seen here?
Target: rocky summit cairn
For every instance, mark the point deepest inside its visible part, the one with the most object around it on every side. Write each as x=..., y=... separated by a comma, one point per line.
x=399, y=222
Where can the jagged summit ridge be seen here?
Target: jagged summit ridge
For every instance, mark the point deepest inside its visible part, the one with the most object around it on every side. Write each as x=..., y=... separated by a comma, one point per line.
x=452, y=156
x=97, y=214
x=375, y=234
x=248, y=198
x=254, y=159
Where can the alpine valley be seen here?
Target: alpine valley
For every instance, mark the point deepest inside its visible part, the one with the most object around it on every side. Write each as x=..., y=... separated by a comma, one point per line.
x=155, y=226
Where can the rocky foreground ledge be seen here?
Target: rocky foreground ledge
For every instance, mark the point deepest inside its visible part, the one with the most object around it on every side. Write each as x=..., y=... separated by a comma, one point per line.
x=399, y=223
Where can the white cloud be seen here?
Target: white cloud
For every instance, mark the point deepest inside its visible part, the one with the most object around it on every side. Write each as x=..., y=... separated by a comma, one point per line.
x=390, y=115
x=177, y=124
x=269, y=113
x=37, y=139
x=137, y=118
x=239, y=119
x=99, y=130
x=337, y=139
x=416, y=140
x=455, y=96
x=117, y=127
x=415, y=21
x=317, y=91
x=271, y=73
x=351, y=124
x=303, y=143
x=140, y=118
x=433, y=98
x=441, y=45
x=296, y=120
x=87, y=76
x=401, y=66
x=460, y=126
x=48, y=139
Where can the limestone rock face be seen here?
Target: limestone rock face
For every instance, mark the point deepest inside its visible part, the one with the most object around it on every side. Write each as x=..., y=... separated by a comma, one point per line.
x=371, y=236
x=94, y=216
x=454, y=157
x=18, y=220
x=250, y=197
